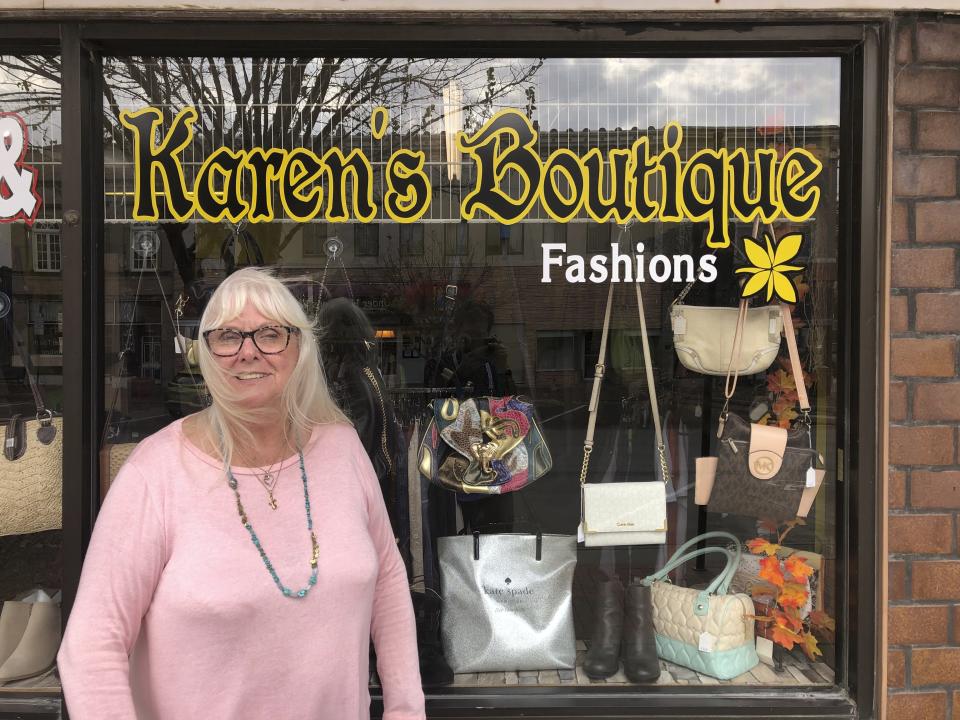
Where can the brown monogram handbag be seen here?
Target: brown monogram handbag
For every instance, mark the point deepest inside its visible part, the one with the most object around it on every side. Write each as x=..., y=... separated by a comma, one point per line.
x=761, y=471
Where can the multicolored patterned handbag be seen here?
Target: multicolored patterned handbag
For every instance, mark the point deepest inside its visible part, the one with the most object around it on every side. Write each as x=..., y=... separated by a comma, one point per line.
x=484, y=445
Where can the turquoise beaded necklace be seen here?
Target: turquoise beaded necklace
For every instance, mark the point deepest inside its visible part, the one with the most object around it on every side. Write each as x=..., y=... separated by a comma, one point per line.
x=302, y=593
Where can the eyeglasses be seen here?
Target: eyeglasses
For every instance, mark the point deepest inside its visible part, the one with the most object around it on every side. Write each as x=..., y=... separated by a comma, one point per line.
x=269, y=339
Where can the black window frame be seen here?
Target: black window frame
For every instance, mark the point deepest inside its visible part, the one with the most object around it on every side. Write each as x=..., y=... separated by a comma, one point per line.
x=862, y=43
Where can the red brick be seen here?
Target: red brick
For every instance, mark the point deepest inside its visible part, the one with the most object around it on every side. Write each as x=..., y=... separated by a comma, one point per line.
x=917, y=706
x=936, y=401
x=938, y=42
x=896, y=673
x=935, y=490
x=905, y=45
x=921, y=534
x=899, y=316
x=924, y=268
x=935, y=579
x=956, y=634
x=934, y=666
x=898, y=401
x=903, y=130
x=923, y=357
x=901, y=223
x=896, y=580
x=928, y=87
x=918, y=176
x=897, y=489
x=938, y=221
x=937, y=130
x=921, y=445
x=938, y=312
x=918, y=624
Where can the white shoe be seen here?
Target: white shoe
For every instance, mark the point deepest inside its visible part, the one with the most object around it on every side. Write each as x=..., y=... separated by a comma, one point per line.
x=13, y=621
x=36, y=652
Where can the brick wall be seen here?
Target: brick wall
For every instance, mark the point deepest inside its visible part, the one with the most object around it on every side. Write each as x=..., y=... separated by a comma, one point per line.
x=924, y=485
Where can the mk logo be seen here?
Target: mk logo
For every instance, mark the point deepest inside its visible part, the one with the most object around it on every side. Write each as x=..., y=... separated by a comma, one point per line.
x=763, y=466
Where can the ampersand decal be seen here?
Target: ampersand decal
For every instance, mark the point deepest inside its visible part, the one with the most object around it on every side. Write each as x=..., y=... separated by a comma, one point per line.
x=18, y=181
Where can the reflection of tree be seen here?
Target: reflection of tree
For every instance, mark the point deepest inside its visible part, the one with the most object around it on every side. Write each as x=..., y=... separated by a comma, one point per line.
x=278, y=102
x=418, y=289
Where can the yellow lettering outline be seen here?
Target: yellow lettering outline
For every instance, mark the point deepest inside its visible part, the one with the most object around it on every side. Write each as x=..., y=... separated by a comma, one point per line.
x=408, y=199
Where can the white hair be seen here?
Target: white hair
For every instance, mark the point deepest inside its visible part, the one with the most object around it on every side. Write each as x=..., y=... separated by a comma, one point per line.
x=305, y=401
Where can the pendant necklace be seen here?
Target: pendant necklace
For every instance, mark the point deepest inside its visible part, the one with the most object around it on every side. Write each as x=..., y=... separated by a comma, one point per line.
x=269, y=482
x=315, y=548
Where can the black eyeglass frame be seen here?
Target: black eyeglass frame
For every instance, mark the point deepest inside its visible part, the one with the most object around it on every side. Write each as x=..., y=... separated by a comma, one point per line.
x=244, y=334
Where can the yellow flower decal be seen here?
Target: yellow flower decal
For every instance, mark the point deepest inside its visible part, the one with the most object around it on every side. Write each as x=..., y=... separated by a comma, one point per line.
x=770, y=267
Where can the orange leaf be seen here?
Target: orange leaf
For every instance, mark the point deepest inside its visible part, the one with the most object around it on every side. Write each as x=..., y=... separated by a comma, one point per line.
x=797, y=567
x=770, y=571
x=784, y=637
x=809, y=646
x=759, y=546
x=788, y=620
x=793, y=595
x=780, y=381
x=821, y=620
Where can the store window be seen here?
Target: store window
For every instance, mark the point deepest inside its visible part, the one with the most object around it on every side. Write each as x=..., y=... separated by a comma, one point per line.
x=452, y=324
x=31, y=374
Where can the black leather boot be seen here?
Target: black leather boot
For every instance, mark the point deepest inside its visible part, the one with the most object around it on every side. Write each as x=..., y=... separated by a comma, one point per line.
x=434, y=670
x=640, y=662
x=603, y=657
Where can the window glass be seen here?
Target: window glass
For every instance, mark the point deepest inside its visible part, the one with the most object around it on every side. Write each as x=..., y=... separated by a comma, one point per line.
x=470, y=307
x=31, y=373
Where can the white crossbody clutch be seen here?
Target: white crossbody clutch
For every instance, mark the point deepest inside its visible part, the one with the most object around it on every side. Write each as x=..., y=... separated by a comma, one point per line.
x=623, y=513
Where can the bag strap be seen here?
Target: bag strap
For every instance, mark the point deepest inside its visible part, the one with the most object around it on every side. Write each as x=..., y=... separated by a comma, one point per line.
x=796, y=368
x=43, y=414
x=715, y=534
x=599, y=370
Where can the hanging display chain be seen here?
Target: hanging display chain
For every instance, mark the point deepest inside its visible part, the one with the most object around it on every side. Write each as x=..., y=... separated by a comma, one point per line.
x=333, y=247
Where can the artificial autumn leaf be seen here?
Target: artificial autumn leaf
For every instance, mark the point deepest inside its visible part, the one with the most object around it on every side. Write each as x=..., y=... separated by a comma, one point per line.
x=759, y=546
x=821, y=621
x=770, y=571
x=786, y=418
x=780, y=382
x=788, y=619
x=797, y=567
x=784, y=637
x=793, y=595
x=810, y=647
x=782, y=404
x=762, y=619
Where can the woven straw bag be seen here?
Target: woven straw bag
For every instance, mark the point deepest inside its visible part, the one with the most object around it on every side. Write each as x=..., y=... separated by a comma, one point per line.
x=31, y=485
x=112, y=458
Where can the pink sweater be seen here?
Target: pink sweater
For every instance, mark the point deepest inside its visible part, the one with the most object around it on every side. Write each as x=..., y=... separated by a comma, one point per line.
x=177, y=618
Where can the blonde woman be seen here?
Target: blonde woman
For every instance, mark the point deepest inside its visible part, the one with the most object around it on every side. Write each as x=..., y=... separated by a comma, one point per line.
x=243, y=557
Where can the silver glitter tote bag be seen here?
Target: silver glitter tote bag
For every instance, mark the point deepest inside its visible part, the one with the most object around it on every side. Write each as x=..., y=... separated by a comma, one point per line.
x=507, y=601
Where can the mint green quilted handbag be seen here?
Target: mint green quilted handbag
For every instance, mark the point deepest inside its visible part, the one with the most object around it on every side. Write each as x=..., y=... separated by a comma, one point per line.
x=709, y=631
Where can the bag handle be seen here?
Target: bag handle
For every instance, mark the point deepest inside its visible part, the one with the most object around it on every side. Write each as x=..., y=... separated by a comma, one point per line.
x=598, y=373
x=44, y=415
x=539, y=535
x=720, y=535
x=701, y=605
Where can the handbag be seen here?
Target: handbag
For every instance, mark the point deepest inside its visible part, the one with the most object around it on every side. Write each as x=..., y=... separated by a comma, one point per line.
x=709, y=631
x=484, y=445
x=507, y=601
x=702, y=336
x=31, y=472
x=623, y=513
x=762, y=471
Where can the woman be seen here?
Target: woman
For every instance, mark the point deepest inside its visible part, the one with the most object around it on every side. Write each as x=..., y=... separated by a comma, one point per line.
x=243, y=557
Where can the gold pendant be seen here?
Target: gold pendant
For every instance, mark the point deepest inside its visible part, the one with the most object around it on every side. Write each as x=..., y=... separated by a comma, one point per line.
x=273, y=501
